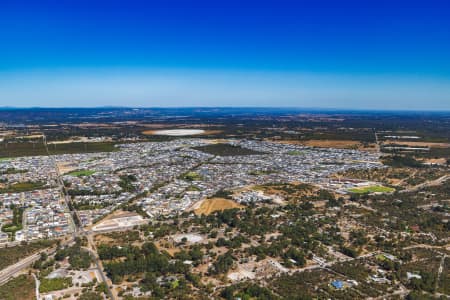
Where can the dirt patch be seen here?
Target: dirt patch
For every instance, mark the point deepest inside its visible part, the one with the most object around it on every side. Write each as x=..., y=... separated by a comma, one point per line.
x=418, y=144
x=102, y=239
x=395, y=181
x=438, y=161
x=119, y=214
x=168, y=246
x=332, y=143
x=32, y=136
x=81, y=139
x=209, y=206
x=66, y=167
x=340, y=144
x=294, y=189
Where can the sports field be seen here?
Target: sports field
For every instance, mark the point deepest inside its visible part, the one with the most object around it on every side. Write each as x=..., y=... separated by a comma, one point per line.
x=371, y=189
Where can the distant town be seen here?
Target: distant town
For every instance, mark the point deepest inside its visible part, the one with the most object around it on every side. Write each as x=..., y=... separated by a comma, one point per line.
x=185, y=210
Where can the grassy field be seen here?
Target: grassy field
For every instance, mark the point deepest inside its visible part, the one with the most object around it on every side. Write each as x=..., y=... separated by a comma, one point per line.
x=21, y=287
x=371, y=189
x=81, y=173
x=55, y=284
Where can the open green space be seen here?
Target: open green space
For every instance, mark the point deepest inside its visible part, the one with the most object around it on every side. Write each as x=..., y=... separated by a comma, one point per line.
x=192, y=176
x=22, y=187
x=12, y=171
x=54, y=284
x=17, y=149
x=9, y=149
x=79, y=147
x=381, y=257
x=261, y=172
x=226, y=150
x=296, y=152
x=371, y=189
x=81, y=173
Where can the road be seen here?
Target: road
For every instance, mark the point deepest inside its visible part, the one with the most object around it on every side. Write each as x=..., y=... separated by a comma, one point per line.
x=62, y=188
x=93, y=250
x=377, y=143
x=428, y=183
x=37, y=283
x=441, y=268
x=18, y=267
x=78, y=229
x=23, y=264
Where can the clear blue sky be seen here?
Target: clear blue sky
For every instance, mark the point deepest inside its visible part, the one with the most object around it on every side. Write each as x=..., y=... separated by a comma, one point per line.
x=340, y=54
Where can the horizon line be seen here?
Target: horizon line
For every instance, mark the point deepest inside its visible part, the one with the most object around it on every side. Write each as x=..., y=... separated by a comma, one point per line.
x=225, y=107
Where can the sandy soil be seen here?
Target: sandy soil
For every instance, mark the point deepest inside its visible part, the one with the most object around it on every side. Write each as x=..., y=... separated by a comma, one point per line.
x=209, y=206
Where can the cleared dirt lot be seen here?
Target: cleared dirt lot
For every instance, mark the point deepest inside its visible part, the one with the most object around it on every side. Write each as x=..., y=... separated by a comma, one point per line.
x=119, y=220
x=66, y=167
x=209, y=206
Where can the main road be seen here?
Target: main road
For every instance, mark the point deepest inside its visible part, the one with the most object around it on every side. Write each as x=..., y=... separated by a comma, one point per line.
x=21, y=265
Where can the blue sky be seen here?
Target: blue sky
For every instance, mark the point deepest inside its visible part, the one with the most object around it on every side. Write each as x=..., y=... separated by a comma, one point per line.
x=338, y=54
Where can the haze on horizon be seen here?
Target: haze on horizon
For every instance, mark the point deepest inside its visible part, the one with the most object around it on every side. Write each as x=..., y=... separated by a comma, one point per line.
x=330, y=54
